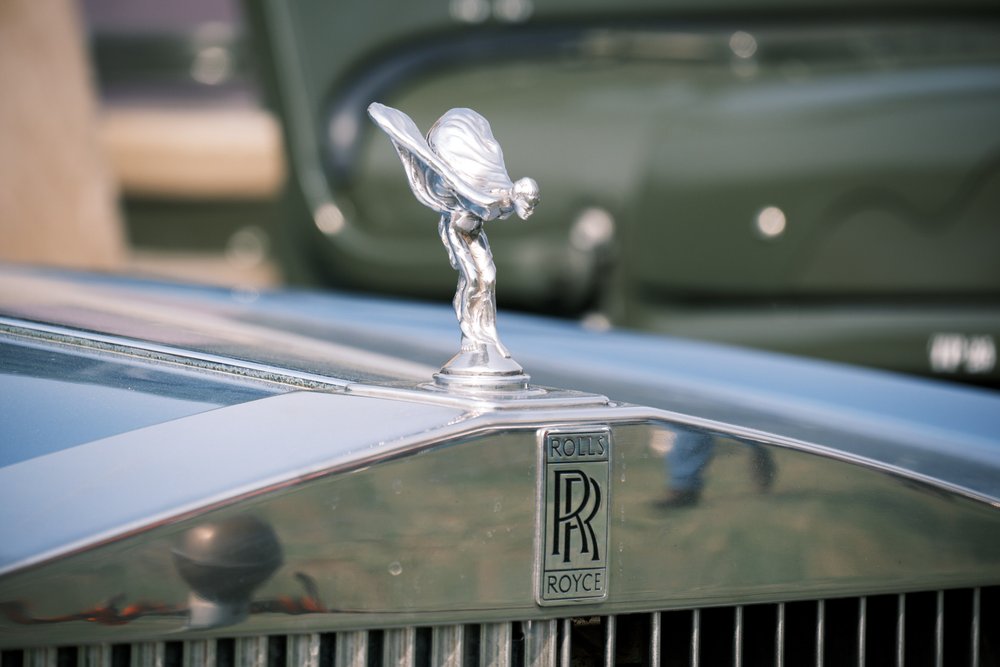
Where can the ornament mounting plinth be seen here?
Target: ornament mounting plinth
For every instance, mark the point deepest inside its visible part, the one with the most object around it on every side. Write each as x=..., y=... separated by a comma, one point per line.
x=483, y=367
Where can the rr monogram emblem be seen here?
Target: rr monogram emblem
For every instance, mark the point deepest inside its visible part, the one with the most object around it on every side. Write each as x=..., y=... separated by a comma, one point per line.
x=573, y=517
x=568, y=513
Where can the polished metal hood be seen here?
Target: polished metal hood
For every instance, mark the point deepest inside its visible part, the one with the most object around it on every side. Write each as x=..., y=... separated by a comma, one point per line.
x=334, y=500
x=379, y=507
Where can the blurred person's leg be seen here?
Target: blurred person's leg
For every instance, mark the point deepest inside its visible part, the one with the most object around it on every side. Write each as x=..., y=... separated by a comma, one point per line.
x=57, y=195
x=686, y=463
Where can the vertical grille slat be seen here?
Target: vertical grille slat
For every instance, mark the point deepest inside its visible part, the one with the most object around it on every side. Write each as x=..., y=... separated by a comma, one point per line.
x=779, y=637
x=655, y=639
x=351, y=649
x=399, y=647
x=98, y=655
x=41, y=657
x=566, y=643
x=609, y=642
x=900, y=630
x=251, y=652
x=540, y=639
x=495, y=645
x=862, y=625
x=303, y=651
x=820, y=630
x=939, y=627
x=975, y=627
x=939, y=630
x=738, y=637
x=198, y=653
x=447, y=646
x=696, y=638
x=148, y=654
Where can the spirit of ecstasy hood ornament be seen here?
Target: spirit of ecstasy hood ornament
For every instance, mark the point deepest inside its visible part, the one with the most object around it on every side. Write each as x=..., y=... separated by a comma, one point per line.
x=458, y=171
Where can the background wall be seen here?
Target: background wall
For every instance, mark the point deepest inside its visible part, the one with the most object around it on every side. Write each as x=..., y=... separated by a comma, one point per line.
x=57, y=197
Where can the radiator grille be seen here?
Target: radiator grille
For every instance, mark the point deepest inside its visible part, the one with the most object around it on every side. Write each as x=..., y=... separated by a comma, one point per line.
x=938, y=628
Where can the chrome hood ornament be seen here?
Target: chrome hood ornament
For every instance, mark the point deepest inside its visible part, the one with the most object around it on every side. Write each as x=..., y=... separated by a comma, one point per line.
x=458, y=171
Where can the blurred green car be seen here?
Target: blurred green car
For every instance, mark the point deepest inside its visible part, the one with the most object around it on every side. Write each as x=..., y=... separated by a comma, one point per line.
x=822, y=180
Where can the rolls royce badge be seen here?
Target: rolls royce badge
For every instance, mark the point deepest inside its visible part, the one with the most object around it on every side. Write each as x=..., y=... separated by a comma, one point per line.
x=572, y=536
x=458, y=171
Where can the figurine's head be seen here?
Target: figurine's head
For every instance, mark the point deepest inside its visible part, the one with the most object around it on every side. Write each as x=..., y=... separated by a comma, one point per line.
x=525, y=196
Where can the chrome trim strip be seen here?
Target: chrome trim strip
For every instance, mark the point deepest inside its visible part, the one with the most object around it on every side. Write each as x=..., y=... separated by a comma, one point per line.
x=251, y=652
x=399, y=647
x=655, y=638
x=540, y=643
x=447, y=645
x=351, y=649
x=197, y=653
x=696, y=638
x=301, y=651
x=820, y=630
x=151, y=654
x=862, y=623
x=738, y=637
x=900, y=629
x=167, y=354
x=610, y=637
x=137, y=313
x=495, y=645
x=975, y=626
x=779, y=637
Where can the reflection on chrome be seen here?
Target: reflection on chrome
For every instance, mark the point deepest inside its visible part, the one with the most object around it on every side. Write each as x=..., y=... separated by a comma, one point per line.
x=688, y=456
x=223, y=563
x=457, y=543
x=117, y=611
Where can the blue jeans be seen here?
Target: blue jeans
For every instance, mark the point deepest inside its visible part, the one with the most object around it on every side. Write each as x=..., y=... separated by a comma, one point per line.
x=687, y=459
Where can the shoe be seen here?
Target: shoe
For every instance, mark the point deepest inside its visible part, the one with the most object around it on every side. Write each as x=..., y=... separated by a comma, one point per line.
x=762, y=469
x=685, y=498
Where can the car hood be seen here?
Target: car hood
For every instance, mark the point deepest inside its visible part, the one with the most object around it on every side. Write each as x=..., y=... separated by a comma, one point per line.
x=948, y=433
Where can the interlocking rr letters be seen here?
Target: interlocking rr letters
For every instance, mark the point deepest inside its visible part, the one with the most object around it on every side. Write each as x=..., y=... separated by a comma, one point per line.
x=574, y=516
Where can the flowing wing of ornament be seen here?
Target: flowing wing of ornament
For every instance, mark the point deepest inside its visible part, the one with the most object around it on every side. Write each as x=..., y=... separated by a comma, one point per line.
x=434, y=183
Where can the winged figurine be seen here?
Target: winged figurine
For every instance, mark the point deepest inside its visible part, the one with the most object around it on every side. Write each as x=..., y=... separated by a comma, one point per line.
x=458, y=171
